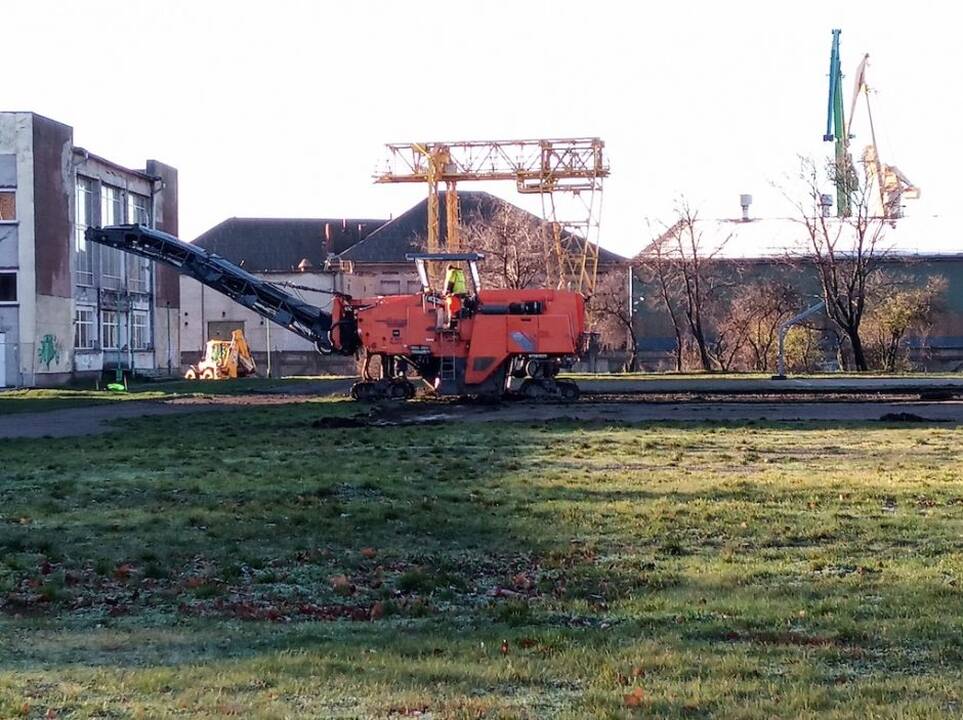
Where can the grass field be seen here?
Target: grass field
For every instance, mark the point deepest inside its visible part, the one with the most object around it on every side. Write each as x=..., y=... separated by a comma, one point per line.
x=279, y=563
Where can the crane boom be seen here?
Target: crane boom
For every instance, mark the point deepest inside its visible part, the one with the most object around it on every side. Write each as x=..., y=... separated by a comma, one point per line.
x=260, y=296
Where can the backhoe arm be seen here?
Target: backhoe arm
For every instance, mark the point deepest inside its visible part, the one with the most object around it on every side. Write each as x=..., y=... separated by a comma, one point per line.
x=264, y=298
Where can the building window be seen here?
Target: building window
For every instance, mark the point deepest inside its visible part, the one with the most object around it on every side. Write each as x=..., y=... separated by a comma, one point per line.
x=84, y=218
x=138, y=274
x=138, y=269
x=111, y=268
x=111, y=205
x=111, y=259
x=8, y=287
x=109, y=330
x=139, y=330
x=84, y=328
x=391, y=287
x=8, y=205
x=414, y=287
x=138, y=209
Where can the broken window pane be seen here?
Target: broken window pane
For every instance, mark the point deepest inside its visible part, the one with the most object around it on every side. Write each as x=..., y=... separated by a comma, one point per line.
x=8, y=205
x=8, y=287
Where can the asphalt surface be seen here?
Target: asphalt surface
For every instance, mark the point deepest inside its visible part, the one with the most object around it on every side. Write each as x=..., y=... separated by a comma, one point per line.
x=108, y=417
x=766, y=386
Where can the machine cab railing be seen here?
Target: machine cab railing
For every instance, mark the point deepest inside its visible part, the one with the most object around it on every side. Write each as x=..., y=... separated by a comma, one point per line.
x=421, y=261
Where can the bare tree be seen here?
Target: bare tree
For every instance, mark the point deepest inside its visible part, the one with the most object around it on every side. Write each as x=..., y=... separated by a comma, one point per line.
x=689, y=284
x=846, y=252
x=610, y=310
x=658, y=269
x=513, y=242
x=751, y=325
x=699, y=283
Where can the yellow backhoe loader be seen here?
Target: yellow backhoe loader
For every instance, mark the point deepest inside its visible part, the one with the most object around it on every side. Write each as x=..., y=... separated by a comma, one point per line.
x=224, y=359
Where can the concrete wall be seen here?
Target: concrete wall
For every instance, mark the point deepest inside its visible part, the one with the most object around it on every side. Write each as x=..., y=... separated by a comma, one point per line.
x=166, y=280
x=203, y=308
x=52, y=197
x=51, y=207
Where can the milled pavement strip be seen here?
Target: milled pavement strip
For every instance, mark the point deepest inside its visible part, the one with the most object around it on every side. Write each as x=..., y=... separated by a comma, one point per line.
x=95, y=419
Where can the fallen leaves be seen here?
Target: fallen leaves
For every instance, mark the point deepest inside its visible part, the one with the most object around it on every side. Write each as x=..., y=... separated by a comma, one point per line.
x=342, y=585
x=634, y=698
x=522, y=582
x=123, y=571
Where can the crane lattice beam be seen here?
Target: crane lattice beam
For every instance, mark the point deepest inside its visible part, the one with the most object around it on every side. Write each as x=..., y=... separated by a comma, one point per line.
x=574, y=166
x=536, y=165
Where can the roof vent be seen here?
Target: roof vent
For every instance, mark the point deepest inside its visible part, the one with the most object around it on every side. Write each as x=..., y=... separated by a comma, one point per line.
x=826, y=203
x=745, y=201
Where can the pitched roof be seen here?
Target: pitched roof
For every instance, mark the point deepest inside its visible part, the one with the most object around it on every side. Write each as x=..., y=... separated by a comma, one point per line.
x=762, y=238
x=281, y=244
x=405, y=234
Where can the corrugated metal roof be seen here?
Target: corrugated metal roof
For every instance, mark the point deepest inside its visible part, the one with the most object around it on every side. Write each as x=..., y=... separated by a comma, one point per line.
x=281, y=244
x=405, y=234
x=919, y=235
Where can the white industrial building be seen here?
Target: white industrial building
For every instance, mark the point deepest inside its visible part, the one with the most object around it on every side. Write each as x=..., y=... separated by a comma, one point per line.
x=70, y=310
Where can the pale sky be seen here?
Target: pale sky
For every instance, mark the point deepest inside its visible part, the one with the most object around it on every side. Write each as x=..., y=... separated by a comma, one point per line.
x=282, y=109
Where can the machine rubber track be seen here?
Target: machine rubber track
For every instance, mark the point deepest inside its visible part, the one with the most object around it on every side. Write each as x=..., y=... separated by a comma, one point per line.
x=548, y=389
x=374, y=390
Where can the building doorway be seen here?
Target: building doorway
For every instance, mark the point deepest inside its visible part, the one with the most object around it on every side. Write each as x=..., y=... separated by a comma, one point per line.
x=222, y=329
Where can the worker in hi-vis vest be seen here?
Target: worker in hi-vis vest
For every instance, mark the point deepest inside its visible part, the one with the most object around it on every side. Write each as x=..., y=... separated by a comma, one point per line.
x=455, y=289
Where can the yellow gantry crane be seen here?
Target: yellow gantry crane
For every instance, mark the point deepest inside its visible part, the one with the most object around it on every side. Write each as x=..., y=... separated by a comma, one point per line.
x=569, y=167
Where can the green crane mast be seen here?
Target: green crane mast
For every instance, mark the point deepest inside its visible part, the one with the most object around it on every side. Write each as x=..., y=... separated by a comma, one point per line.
x=836, y=130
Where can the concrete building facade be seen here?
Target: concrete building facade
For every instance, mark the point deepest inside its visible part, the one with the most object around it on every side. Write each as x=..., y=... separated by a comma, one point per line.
x=68, y=309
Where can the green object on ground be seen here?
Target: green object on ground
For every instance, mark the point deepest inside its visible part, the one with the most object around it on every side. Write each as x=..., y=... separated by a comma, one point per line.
x=117, y=387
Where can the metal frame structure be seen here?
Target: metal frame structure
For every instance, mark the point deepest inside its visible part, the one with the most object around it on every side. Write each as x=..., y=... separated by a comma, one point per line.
x=567, y=166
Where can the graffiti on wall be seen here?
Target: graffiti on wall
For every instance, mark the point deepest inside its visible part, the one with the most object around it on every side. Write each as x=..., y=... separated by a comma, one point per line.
x=49, y=350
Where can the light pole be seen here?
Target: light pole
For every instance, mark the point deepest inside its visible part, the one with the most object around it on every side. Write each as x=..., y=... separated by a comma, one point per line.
x=169, y=349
